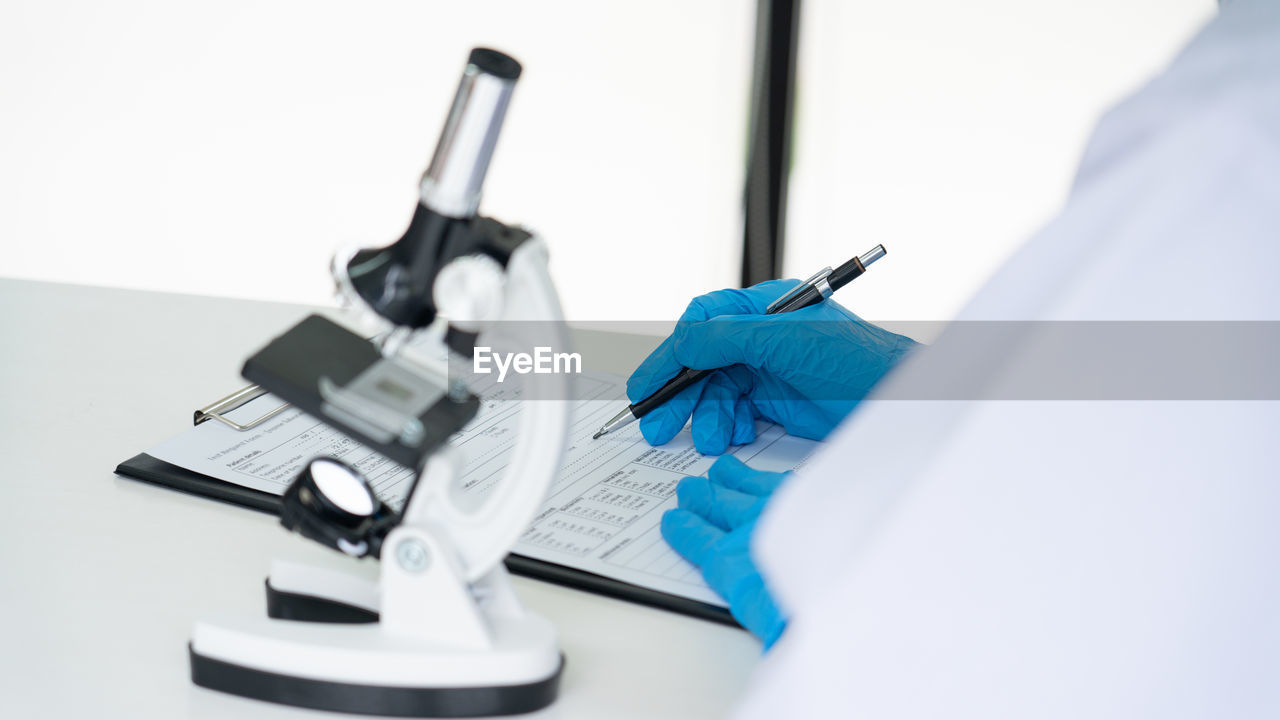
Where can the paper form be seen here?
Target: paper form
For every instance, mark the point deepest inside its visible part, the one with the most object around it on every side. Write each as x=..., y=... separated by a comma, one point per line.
x=601, y=514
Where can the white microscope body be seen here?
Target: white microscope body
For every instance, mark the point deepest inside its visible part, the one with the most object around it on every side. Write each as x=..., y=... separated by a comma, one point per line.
x=441, y=633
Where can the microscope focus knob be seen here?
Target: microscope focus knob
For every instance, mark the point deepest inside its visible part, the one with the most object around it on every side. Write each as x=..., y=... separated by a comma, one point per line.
x=469, y=292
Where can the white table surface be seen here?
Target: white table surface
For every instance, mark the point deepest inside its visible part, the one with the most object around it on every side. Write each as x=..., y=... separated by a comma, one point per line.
x=101, y=577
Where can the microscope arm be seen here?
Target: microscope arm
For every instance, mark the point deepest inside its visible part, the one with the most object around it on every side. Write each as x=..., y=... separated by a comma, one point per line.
x=482, y=534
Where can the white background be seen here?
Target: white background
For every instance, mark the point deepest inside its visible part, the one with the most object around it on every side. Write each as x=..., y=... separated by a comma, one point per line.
x=228, y=148
x=950, y=131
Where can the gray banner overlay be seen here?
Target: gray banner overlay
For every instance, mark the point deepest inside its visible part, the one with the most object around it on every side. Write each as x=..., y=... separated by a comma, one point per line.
x=1031, y=361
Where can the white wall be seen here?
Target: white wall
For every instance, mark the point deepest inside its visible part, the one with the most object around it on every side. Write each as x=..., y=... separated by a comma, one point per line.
x=228, y=147
x=950, y=131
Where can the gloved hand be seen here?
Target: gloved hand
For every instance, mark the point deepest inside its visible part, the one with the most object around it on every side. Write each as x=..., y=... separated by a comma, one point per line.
x=805, y=370
x=712, y=529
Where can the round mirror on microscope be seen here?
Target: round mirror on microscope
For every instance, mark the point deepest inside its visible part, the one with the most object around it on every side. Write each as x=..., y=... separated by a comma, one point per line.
x=342, y=487
x=331, y=502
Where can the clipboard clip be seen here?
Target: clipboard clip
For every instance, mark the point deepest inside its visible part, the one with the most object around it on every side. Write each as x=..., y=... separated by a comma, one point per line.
x=217, y=410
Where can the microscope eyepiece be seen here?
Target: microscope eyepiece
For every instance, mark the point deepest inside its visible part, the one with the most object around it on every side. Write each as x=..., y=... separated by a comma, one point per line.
x=495, y=63
x=453, y=182
x=397, y=281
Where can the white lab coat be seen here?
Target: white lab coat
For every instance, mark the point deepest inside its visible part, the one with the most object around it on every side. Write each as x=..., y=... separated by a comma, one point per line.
x=1107, y=559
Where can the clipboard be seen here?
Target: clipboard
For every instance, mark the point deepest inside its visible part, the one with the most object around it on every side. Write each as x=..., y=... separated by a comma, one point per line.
x=152, y=470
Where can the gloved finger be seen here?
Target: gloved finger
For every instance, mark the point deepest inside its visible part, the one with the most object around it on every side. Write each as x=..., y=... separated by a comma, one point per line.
x=744, y=422
x=781, y=403
x=736, y=301
x=654, y=372
x=661, y=365
x=780, y=344
x=713, y=415
x=761, y=615
x=737, y=580
x=692, y=537
x=726, y=509
x=762, y=294
x=668, y=419
x=727, y=340
x=732, y=474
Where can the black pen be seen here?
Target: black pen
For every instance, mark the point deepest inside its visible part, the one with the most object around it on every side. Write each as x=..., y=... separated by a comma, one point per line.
x=810, y=292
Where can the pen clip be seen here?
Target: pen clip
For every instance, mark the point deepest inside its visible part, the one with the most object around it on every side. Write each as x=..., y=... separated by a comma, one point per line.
x=812, y=281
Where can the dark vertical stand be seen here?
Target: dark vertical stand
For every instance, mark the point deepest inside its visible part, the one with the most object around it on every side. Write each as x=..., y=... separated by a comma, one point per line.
x=769, y=154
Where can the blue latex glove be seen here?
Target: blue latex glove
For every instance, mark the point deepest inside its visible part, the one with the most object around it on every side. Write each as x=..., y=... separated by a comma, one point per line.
x=805, y=370
x=712, y=529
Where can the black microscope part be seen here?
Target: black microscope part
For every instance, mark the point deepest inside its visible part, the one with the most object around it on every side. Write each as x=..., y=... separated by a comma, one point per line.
x=293, y=366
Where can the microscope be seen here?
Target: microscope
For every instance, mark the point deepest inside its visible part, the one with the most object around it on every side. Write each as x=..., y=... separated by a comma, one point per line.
x=441, y=633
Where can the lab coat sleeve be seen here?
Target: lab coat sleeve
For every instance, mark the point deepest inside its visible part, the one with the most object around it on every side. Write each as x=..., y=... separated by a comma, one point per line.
x=1067, y=559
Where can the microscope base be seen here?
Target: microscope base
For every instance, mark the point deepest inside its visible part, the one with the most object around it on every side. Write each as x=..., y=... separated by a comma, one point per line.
x=360, y=669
